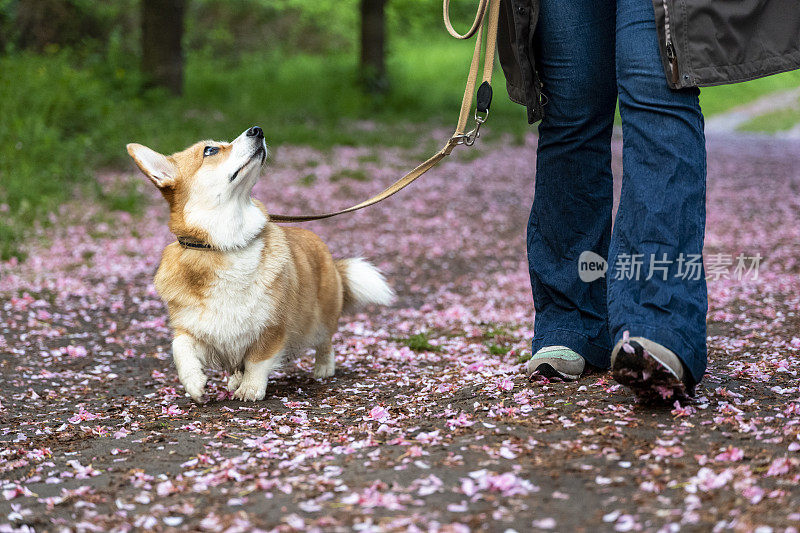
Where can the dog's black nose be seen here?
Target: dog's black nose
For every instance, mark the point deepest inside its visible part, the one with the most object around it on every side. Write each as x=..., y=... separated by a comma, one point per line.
x=255, y=131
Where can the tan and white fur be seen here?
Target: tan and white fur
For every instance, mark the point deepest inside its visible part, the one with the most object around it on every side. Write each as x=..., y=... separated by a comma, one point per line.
x=261, y=292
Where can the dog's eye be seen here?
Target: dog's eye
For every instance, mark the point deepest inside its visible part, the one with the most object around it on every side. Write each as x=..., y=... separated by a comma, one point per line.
x=210, y=150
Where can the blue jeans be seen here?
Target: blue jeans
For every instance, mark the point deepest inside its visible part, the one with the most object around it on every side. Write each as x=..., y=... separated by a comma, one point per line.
x=589, y=53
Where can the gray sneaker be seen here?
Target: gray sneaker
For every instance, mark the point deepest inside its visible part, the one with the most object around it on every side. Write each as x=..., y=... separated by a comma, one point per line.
x=557, y=362
x=652, y=371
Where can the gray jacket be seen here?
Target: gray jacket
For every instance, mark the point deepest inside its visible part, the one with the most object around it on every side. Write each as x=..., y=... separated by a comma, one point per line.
x=703, y=42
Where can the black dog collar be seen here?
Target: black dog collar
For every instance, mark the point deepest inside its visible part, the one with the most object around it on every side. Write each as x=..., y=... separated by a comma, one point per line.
x=197, y=245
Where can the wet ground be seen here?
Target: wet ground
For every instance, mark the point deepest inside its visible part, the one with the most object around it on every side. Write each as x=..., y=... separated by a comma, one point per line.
x=430, y=422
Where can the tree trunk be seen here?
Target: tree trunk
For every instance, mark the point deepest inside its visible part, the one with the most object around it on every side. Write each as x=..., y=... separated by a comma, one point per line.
x=373, y=46
x=162, y=32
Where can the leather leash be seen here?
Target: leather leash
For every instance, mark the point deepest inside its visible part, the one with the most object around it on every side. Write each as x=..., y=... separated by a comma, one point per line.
x=486, y=19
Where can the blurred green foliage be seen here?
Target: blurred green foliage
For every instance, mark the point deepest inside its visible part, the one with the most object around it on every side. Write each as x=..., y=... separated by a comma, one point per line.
x=72, y=95
x=62, y=120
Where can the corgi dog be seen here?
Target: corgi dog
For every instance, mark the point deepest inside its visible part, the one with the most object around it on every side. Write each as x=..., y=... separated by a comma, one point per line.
x=243, y=293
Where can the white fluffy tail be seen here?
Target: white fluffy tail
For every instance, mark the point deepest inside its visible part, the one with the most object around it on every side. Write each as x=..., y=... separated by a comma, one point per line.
x=363, y=284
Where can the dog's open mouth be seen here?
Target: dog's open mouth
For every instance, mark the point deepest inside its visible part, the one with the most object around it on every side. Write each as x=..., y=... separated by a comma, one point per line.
x=261, y=153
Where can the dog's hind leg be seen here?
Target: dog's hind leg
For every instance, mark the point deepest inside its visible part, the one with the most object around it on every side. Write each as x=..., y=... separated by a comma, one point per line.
x=189, y=356
x=325, y=361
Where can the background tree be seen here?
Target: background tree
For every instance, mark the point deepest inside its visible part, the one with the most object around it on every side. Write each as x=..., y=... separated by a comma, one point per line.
x=51, y=24
x=162, y=34
x=372, y=69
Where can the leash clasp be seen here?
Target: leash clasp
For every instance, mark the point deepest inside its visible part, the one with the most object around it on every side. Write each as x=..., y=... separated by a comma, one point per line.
x=469, y=138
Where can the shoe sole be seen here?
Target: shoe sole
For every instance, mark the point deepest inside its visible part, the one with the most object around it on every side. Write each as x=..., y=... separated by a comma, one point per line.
x=547, y=370
x=648, y=378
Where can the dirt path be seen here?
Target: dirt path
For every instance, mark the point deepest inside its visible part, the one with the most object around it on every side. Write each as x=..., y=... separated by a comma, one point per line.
x=730, y=121
x=437, y=432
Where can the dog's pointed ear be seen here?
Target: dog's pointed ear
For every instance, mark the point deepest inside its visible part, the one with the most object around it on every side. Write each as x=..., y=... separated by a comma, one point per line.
x=155, y=166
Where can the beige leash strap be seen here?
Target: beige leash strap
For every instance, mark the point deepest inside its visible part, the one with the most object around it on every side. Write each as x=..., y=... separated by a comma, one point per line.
x=475, y=24
x=484, y=98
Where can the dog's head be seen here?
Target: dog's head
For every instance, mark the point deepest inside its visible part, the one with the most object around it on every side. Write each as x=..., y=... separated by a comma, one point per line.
x=208, y=187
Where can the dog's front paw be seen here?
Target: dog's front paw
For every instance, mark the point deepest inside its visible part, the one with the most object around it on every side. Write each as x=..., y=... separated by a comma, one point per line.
x=196, y=386
x=234, y=380
x=324, y=370
x=324, y=362
x=250, y=391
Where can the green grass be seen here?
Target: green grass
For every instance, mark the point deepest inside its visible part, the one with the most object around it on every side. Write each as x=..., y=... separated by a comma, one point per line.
x=497, y=349
x=125, y=197
x=715, y=100
x=524, y=357
x=356, y=174
x=61, y=122
x=419, y=343
x=773, y=122
x=494, y=331
x=308, y=180
x=371, y=158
